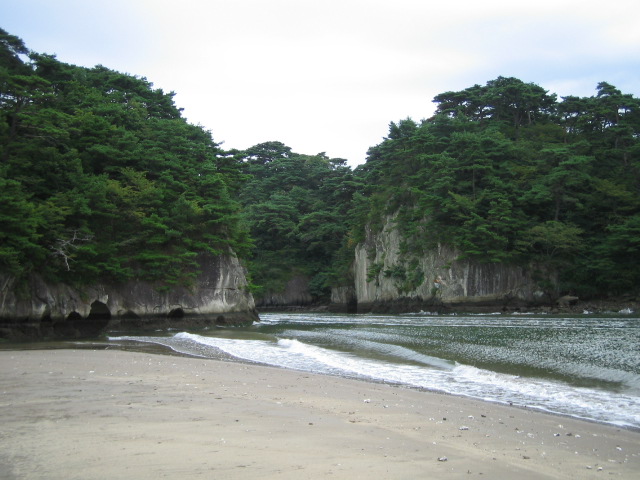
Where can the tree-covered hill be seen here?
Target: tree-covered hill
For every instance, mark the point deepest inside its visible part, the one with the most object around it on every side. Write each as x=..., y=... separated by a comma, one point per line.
x=101, y=177
x=507, y=173
x=297, y=207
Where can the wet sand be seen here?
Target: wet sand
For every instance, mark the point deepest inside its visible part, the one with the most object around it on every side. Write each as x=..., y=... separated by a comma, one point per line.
x=105, y=414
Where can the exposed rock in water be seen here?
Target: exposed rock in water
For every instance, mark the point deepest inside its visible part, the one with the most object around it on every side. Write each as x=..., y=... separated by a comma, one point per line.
x=219, y=297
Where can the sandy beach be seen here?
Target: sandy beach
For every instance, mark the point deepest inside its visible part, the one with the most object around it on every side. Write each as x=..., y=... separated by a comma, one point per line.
x=106, y=414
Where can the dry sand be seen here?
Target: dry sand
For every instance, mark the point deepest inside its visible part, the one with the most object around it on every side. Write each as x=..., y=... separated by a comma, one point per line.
x=108, y=414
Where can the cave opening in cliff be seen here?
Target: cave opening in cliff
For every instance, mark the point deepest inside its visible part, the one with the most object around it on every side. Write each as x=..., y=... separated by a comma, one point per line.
x=352, y=305
x=129, y=315
x=97, y=320
x=66, y=327
x=176, y=313
x=99, y=312
x=74, y=317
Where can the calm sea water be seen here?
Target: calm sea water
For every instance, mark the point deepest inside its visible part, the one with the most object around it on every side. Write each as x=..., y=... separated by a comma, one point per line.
x=583, y=366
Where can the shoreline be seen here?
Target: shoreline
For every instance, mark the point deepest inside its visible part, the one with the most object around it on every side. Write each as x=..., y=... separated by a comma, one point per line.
x=90, y=414
x=157, y=349
x=136, y=346
x=404, y=306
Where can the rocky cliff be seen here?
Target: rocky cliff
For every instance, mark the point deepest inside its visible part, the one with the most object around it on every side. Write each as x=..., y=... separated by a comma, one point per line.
x=386, y=280
x=39, y=309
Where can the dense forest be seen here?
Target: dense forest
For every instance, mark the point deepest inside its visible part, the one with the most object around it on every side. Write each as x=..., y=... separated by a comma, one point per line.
x=507, y=173
x=102, y=178
x=297, y=208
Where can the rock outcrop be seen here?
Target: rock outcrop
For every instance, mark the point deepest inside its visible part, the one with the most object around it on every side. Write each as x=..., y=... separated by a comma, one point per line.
x=385, y=280
x=40, y=309
x=295, y=294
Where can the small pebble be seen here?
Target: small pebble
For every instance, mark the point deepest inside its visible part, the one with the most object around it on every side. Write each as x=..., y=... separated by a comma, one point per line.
x=442, y=459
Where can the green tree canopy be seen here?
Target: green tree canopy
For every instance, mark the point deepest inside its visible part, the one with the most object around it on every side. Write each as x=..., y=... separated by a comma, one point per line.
x=297, y=207
x=102, y=177
x=506, y=173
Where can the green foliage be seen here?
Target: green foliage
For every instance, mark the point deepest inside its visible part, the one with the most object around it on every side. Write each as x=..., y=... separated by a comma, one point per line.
x=415, y=277
x=102, y=178
x=397, y=272
x=407, y=277
x=297, y=209
x=554, y=239
x=506, y=173
x=374, y=271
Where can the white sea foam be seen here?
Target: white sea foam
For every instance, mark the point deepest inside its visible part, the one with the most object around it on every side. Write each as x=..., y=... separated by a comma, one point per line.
x=464, y=380
x=595, y=356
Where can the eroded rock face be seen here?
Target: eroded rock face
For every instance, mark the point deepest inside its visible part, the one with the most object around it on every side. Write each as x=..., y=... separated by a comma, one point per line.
x=219, y=296
x=386, y=280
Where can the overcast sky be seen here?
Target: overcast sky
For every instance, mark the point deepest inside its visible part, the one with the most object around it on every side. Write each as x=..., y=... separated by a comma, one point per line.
x=329, y=75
